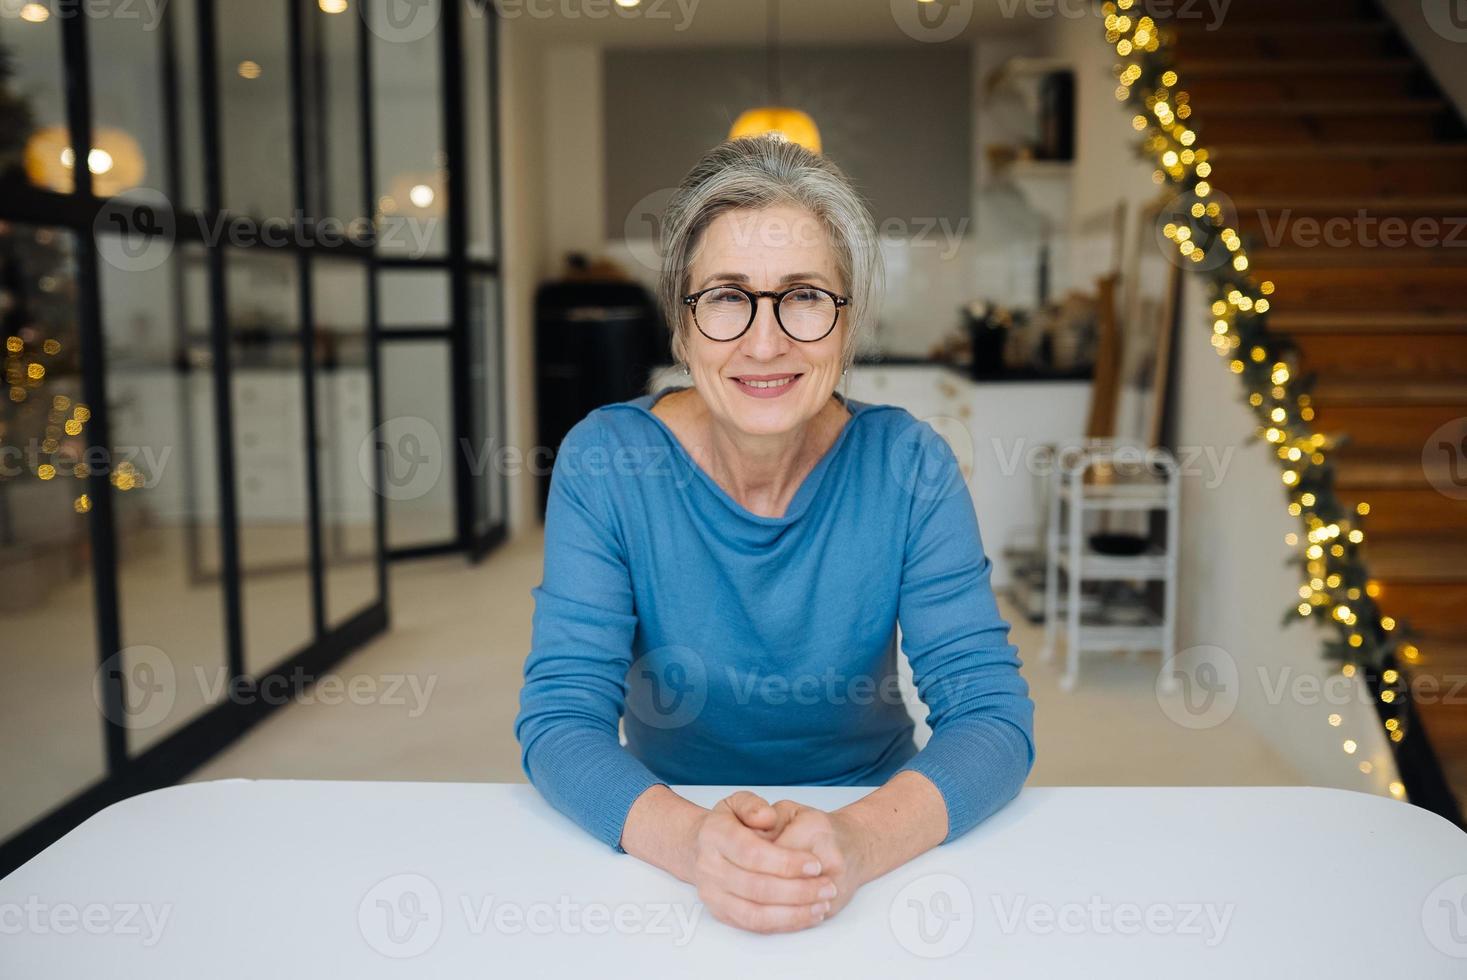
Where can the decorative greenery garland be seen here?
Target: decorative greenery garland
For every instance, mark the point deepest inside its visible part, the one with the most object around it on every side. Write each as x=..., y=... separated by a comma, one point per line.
x=1336, y=587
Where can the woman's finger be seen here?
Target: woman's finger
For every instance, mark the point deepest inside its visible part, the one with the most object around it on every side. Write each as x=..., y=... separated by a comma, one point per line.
x=752, y=810
x=747, y=849
x=766, y=889
x=769, y=918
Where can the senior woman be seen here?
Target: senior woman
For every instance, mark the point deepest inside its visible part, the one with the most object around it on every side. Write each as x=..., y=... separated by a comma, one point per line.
x=727, y=564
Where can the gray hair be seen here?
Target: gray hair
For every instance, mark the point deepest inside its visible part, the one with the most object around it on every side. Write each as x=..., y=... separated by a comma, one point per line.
x=758, y=172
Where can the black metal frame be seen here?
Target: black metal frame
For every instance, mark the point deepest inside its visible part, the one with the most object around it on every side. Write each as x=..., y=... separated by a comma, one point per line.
x=461, y=269
x=204, y=735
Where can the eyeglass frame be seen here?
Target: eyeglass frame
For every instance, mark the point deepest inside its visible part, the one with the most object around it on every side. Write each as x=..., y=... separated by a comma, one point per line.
x=755, y=295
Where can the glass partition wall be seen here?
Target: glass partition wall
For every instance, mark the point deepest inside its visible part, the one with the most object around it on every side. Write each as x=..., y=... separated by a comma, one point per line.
x=231, y=333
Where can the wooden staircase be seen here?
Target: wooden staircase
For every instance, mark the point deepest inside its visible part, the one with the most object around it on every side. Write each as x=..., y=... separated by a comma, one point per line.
x=1318, y=116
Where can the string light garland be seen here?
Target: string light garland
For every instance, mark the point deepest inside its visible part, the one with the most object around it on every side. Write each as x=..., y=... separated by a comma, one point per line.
x=1336, y=589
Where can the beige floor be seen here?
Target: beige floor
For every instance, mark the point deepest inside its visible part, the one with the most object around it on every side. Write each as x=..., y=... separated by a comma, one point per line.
x=460, y=634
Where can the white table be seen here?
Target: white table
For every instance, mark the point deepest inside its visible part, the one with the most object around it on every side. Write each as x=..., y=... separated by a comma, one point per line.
x=297, y=879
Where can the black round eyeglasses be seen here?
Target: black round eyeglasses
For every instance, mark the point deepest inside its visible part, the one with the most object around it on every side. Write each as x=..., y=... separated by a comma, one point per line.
x=726, y=312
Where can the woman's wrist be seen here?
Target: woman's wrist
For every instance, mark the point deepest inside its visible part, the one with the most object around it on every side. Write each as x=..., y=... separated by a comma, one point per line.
x=662, y=829
x=893, y=824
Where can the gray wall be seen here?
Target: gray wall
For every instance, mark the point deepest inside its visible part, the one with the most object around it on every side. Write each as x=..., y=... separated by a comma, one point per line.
x=896, y=120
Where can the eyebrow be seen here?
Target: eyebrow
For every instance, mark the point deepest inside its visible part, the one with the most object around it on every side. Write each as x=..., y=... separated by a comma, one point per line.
x=742, y=277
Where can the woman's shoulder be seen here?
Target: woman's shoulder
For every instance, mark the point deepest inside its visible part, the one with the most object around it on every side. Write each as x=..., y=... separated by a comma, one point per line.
x=620, y=438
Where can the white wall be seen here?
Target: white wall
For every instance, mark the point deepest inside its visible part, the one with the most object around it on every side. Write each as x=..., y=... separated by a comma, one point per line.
x=1441, y=44
x=523, y=231
x=1236, y=585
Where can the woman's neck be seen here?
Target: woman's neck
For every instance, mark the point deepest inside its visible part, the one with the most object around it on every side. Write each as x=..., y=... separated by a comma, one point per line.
x=762, y=472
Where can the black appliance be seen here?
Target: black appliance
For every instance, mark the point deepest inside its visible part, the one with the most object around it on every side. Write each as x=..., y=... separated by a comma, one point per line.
x=595, y=343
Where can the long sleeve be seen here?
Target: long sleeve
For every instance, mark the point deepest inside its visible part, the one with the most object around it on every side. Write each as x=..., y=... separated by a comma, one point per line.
x=964, y=668
x=581, y=645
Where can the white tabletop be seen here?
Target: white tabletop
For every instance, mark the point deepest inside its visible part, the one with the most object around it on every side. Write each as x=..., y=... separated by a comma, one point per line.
x=312, y=879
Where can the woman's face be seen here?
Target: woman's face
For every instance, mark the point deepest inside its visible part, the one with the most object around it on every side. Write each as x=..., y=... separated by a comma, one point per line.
x=772, y=248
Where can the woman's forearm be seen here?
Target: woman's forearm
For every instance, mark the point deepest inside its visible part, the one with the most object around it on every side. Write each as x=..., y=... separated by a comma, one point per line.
x=897, y=822
x=661, y=828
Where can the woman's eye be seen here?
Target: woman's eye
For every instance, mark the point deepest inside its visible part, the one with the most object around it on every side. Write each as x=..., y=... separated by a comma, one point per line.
x=805, y=295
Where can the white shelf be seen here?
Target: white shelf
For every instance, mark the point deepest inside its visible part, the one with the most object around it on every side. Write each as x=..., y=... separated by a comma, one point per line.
x=1068, y=534
x=1124, y=496
x=1098, y=634
x=1096, y=567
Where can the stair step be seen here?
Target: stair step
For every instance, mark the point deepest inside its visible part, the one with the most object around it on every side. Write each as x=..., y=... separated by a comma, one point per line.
x=1364, y=472
x=1441, y=656
x=1384, y=170
x=1285, y=27
x=1267, y=11
x=1325, y=121
x=1285, y=152
x=1355, y=203
x=1298, y=323
x=1417, y=558
x=1398, y=245
x=1367, y=286
x=1283, y=40
x=1207, y=80
x=1433, y=609
x=1327, y=107
x=1330, y=392
x=1233, y=68
x=1419, y=510
x=1385, y=427
x=1388, y=355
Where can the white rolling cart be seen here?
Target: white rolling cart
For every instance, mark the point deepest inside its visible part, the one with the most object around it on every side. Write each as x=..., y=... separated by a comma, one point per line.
x=1128, y=479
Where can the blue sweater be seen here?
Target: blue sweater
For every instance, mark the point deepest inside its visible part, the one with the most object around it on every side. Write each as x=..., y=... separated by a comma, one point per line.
x=747, y=650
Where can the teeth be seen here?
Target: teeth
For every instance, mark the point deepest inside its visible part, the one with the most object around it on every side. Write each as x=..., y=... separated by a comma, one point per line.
x=767, y=384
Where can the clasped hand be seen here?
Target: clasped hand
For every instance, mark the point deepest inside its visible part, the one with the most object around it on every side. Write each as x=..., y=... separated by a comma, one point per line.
x=776, y=867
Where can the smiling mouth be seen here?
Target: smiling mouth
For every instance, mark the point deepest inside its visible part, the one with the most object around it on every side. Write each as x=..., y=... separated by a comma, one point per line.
x=765, y=385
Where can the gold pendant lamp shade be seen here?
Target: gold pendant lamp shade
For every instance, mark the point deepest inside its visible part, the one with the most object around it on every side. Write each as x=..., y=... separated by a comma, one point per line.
x=790, y=124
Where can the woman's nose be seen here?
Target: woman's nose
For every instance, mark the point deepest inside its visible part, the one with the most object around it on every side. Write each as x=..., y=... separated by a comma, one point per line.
x=765, y=340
